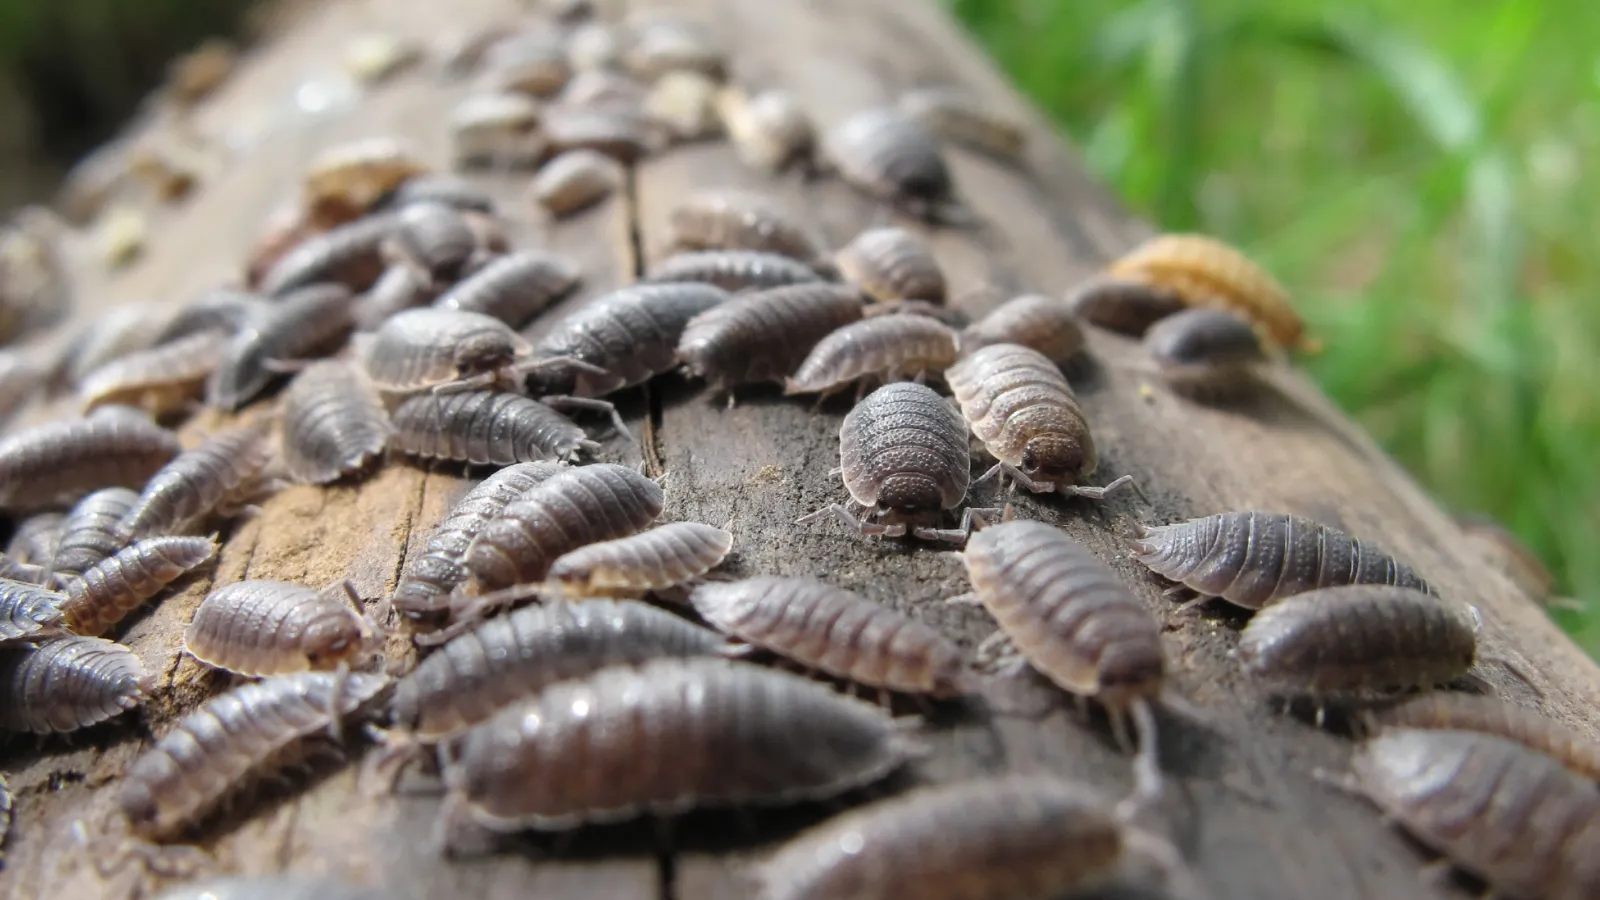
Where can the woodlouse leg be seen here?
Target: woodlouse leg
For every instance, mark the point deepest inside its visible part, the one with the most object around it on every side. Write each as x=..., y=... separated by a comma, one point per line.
x=1147, y=781
x=1099, y=493
x=967, y=599
x=564, y=402
x=341, y=681
x=1194, y=604
x=849, y=521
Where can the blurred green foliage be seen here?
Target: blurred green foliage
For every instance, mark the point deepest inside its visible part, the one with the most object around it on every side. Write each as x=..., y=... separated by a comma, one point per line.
x=1418, y=172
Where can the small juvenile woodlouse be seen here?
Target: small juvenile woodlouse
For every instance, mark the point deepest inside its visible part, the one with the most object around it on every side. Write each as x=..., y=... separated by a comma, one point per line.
x=164, y=379
x=347, y=179
x=683, y=104
x=423, y=594
x=835, y=631
x=37, y=538
x=300, y=326
x=764, y=336
x=260, y=628
x=436, y=242
x=906, y=458
x=422, y=348
x=574, y=181
x=1252, y=559
x=28, y=612
x=1514, y=817
x=732, y=270
x=498, y=128
x=667, y=45
x=888, y=347
x=610, y=747
x=1204, y=353
x=221, y=470
x=485, y=428
x=1203, y=271
x=224, y=310
x=657, y=559
x=514, y=288
x=1035, y=321
x=90, y=532
x=769, y=131
x=253, y=730
x=333, y=423
x=894, y=159
x=60, y=462
x=571, y=509
x=892, y=264
x=112, y=588
x=1454, y=711
x=530, y=62
x=348, y=255
x=1122, y=305
x=123, y=329
x=728, y=219
x=620, y=339
x=1022, y=408
x=1358, y=637
x=70, y=682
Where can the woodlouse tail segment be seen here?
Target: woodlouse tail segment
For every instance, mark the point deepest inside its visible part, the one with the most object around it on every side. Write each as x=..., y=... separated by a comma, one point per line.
x=563, y=403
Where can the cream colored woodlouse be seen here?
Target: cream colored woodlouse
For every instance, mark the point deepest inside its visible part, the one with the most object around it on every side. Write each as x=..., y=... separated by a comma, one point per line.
x=769, y=131
x=574, y=181
x=499, y=129
x=259, y=628
x=653, y=560
x=346, y=180
x=683, y=102
x=60, y=462
x=887, y=347
x=111, y=589
x=765, y=335
x=69, y=682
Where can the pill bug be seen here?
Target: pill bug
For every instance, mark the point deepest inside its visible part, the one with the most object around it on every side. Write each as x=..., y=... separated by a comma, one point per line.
x=626, y=136
x=224, y=310
x=261, y=627
x=905, y=458
x=348, y=255
x=514, y=288
x=1203, y=271
x=37, y=538
x=894, y=159
x=593, y=46
x=765, y=335
x=731, y=270
x=109, y=590
x=1035, y=321
x=333, y=423
x=497, y=128
x=221, y=470
x=835, y=631
x=271, y=887
x=769, y=131
x=1122, y=305
x=254, y=730
x=90, y=531
x=661, y=46
x=887, y=347
x=1205, y=353
x=1358, y=637
x=1253, y=559
x=161, y=380
x=1515, y=818
x=728, y=219
x=962, y=118
x=300, y=326
x=574, y=181
x=683, y=104
x=1008, y=837
x=630, y=334
x=571, y=509
x=428, y=347
x=892, y=264
x=59, y=462
x=346, y=180
x=28, y=612
x=69, y=682
x=578, y=754
x=1017, y=403
x=436, y=242
x=663, y=557
x=1453, y=711
x=485, y=428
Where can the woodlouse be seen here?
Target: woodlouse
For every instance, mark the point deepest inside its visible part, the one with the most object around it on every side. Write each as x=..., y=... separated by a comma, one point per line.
x=436, y=242
x=498, y=128
x=629, y=335
x=683, y=104
x=888, y=347
x=37, y=538
x=1122, y=305
x=123, y=329
x=514, y=288
x=90, y=532
x=450, y=190
x=893, y=158
x=28, y=612
x=1252, y=559
x=1357, y=637
x=260, y=628
x=1454, y=711
x=347, y=179
x=574, y=181
x=1035, y=321
x=892, y=264
x=422, y=348
x=423, y=594
x=399, y=288
x=161, y=380
x=1516, y=818
x=485, y=428
x=611, y=747
x=764, y=336
x=348, y=255
x=300, y=326
x=571, y=509
x=223, y=469
x=835, y=631
x=271, y=887
x=666, y=45
x=70, y=682
x=333, y=423
x=1021, y=407
x=732, y=270
x=725, y=219
x=962, y=118
x=769, y=131
x=112, y=588
x=531, y=62
x=1203, y=271
x=253, y=730
x=657, y=559
x=222, y=310
x=59, y=462
x=905, y=458
x=625, y=135
x=1207, y=353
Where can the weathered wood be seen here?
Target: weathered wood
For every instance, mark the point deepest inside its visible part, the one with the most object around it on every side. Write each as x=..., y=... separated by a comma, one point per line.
x=1243, y=804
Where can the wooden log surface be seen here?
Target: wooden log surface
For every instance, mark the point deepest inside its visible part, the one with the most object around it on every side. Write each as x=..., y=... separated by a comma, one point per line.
x=1243, y=804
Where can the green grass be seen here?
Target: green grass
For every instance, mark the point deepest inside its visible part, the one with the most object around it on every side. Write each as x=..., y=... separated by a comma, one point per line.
x=1419, y=172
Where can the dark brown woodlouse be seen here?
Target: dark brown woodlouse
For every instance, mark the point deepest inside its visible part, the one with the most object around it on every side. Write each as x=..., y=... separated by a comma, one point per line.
x=223, y=469
x=28, y=612
x=835, y=631
x=333, y=424
x=1358, y=637
x=894, y=159
x=514, y=288
x=1021, y=407
x=662, y=557
x=892, y=264
x=164, y=379
x=724, y=219
x=574, y=181
x=423, y=594
x=888, y=347
x=620, y=339
x=612, y=747
x=69, y=682
x=1454, y=711
x=302, y=325
x=906, y=458
x=764, y=336
x=112, y=588
x=731, y=270
x=1253, y=559
x=60, y=462
x=1516, y=818
x=963, y=118
x=422, y=348
x=1035, y=321
x=348, y=255
x=90, y=532
x=485, y=428
x=1122, y=305
x=1205, y=353
x=259, y=628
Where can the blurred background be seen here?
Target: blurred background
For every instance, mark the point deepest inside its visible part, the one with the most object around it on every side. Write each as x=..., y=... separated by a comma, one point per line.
x=1416, y=171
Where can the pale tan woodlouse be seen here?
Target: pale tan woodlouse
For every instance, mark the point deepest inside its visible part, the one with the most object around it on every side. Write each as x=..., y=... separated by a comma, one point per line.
x=111, y=589
x=1455, y=711
x=656, y=559
x=259, y=628
x=888, y=347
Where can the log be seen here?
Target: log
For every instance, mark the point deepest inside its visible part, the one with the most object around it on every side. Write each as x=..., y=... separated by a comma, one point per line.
x=1243, y=803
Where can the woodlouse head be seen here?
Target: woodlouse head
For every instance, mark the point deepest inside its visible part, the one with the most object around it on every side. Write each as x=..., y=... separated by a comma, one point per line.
x=909, y=496
x=1127, y=670
x=332, y=639
x=1055, y=458
x=485, y=350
